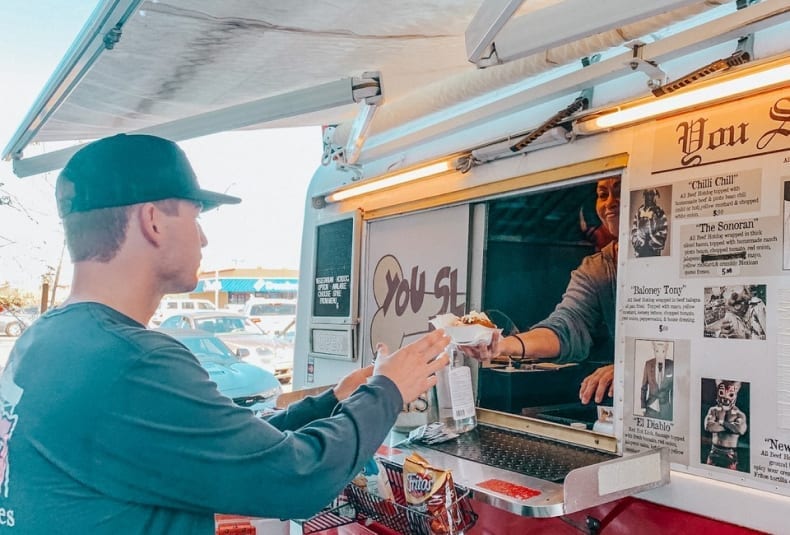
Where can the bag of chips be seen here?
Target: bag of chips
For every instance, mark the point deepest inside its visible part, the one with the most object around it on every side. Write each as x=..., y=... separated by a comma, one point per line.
x=430, y=492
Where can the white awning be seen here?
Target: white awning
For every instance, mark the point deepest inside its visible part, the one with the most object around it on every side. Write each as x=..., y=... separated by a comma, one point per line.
x=186, y=68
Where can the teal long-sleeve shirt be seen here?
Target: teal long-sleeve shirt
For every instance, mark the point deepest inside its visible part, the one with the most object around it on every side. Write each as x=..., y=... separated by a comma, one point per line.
x=108, y=427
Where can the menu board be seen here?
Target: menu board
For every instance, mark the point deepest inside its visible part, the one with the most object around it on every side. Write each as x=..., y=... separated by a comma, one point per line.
x=704, y=292
x=334, y=258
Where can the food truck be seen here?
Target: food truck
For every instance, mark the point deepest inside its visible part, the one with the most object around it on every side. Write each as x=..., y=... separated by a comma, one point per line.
x=461, y=156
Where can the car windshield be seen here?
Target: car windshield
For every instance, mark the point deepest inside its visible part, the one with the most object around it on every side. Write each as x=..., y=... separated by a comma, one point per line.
x=273, y=309
x=226, y=324
x=209, y=348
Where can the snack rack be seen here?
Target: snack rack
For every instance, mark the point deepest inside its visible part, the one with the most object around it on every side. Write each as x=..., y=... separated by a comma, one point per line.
x=357, y=504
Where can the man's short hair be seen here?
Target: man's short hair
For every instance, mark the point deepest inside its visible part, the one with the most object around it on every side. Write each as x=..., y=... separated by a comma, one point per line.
x=97, y=235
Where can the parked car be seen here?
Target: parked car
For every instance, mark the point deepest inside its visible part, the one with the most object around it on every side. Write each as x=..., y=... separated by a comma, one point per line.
x=247, y=385
x=169, y=306
x=14, y=321
x=273, y=316
x=272, y=353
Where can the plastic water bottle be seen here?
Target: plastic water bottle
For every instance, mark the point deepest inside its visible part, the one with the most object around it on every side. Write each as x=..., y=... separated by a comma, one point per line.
x=454, y=394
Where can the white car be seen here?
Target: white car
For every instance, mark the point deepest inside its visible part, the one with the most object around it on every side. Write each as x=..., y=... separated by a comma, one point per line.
x=272, y=353
x=170, y=306
x=273, y=316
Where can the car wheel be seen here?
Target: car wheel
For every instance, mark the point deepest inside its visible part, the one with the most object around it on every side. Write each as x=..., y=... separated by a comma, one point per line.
x=13, y=329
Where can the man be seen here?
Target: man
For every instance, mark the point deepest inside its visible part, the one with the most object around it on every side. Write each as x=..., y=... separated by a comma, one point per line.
x=657, y=380
x=650, y=227
x=114, y=428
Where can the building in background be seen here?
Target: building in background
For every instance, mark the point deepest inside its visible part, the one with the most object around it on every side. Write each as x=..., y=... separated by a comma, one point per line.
x=234, y=286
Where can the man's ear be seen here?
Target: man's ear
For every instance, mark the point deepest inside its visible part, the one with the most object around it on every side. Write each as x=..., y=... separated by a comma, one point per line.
x=151, y=224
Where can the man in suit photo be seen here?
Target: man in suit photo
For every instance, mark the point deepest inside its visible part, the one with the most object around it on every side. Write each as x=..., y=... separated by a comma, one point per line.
x=657, y=383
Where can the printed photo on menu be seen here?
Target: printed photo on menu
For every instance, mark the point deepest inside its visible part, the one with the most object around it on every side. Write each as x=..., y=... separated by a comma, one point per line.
x=724, y=433
x=650, y=214
x=736, y=311
x=653, y=387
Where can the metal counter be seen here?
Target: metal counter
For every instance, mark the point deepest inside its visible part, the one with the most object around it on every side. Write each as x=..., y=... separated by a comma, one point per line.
x=532, y=475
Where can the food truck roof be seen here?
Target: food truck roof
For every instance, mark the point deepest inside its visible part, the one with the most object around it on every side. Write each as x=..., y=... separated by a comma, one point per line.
x=183, y=69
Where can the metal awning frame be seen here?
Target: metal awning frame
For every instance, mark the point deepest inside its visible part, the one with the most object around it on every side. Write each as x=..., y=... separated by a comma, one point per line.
x=415, y=136
x=494, y=36
x=109, y=15
x=329, y=95
x=99, y=34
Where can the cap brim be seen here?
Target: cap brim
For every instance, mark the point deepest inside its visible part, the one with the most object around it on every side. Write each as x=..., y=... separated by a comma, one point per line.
x=211, y=199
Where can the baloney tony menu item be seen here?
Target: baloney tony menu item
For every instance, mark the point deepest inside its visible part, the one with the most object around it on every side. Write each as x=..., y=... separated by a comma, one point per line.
x=431, y=492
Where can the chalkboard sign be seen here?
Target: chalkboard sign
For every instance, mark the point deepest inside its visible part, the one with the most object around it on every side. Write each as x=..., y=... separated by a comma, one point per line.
x=332, y=284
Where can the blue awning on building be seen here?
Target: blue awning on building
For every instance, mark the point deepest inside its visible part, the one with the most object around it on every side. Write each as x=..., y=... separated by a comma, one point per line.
x=249, y=285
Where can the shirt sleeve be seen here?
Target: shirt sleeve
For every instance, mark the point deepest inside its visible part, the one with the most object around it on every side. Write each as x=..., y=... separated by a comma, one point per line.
x=304, y=411
x=577, y=316
x=170, y=439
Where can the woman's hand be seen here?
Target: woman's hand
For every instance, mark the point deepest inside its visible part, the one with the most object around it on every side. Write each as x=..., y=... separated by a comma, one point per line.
x=483, y=352
x=598, y=384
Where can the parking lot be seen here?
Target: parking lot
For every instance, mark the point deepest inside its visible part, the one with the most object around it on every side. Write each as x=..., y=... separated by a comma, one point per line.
x=6, y=342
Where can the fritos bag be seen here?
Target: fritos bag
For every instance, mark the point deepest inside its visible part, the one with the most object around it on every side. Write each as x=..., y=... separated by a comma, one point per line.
x=431, y=492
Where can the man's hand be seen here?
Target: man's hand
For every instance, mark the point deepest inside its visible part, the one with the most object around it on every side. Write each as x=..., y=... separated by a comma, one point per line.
x=598, y=384
x=413, y=367
x=352, y=381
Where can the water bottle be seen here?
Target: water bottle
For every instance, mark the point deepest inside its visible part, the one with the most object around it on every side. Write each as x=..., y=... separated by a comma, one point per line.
x=454, y=394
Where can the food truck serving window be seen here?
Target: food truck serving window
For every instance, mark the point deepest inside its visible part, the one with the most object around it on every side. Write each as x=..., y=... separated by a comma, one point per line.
x=533, y=243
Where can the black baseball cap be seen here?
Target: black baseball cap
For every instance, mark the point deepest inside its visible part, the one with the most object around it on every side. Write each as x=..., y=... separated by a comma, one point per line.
x=129, y=169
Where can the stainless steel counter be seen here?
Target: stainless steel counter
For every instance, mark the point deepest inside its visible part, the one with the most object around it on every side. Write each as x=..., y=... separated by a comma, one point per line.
x=532, y=475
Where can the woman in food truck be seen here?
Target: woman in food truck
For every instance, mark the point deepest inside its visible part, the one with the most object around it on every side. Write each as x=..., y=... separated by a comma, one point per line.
x=567, y=334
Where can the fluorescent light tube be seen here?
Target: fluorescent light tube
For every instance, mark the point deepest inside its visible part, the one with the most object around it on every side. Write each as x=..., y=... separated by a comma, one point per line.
x=392, y=180
x=686, y=99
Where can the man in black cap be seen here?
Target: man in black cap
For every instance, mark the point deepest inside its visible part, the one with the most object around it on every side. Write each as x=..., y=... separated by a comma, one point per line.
x=108, y=427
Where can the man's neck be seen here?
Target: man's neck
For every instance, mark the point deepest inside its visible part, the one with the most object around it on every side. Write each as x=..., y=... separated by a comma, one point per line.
x=123, y=290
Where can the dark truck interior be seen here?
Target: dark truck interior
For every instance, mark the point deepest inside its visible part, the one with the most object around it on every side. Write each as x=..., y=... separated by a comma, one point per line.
x=534, y=241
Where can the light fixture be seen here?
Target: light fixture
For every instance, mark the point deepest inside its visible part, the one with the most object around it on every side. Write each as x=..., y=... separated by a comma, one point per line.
x=740, y=83
x=417, y=173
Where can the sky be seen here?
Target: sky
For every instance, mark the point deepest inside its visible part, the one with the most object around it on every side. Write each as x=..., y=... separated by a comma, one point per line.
x=269, y=169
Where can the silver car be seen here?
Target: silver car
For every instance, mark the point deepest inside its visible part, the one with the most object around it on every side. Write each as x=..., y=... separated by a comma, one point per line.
x=13, y=322
x=251, y=344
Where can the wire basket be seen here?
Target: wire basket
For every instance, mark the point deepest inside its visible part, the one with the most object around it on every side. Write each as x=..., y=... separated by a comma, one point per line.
x=406, y=520
x=357, y=504
x=338, y=514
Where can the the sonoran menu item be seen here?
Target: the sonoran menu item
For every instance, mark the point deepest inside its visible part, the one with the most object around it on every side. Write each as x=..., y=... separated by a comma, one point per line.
x=430, y=491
